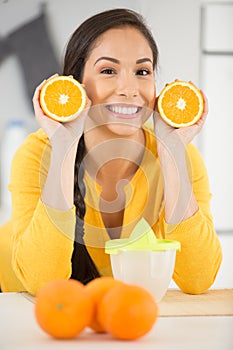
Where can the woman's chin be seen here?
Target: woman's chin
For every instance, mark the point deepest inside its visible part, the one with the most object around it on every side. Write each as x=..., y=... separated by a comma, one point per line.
x=123, y=128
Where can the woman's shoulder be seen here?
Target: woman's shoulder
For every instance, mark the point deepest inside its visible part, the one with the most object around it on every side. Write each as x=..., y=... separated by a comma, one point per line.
x=38, y=136
x=195, y=161
x=34, y=144
x=194, y=152
x=30, y=157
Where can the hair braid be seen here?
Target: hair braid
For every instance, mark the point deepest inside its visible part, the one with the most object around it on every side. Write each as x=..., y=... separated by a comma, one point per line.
x=83, y=268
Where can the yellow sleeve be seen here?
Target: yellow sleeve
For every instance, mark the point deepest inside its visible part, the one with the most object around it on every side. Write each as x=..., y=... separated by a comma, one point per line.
x=42, y=236
x=200, y=257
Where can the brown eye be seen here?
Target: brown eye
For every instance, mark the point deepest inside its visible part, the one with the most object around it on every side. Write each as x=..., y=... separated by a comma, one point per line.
x=108, y=71
x=143, y=72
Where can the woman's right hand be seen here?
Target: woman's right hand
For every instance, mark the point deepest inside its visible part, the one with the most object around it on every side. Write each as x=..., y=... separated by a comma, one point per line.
x=62, y=134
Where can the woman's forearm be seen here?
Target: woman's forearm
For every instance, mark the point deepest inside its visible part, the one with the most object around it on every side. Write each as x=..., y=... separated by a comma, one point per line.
x=59, y=185
x=180, y=202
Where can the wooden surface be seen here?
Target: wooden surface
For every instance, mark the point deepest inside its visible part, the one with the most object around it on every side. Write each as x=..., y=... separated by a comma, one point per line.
x=177, y=303
x=210, y=303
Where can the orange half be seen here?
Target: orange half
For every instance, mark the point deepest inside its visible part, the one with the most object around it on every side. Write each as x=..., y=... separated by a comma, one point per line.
x=180, y=104
x=62, y=98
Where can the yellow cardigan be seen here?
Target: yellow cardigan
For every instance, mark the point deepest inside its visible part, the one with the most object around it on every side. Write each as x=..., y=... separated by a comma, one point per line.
x=36, y=245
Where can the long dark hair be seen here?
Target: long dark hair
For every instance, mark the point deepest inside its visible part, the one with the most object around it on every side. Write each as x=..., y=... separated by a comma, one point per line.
x=78, y=49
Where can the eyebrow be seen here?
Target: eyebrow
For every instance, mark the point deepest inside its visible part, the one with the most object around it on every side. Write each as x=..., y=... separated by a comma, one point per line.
x=114, y=60
x=142, y=60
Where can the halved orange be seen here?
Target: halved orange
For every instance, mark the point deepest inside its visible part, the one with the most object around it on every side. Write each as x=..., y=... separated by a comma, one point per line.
x=180, y=104
x=62, y=98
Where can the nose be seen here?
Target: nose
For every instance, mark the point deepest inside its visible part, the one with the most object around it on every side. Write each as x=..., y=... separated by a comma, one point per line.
x=127, y=86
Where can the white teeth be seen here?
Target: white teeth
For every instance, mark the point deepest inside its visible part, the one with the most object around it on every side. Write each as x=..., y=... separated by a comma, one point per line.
x=123, y=110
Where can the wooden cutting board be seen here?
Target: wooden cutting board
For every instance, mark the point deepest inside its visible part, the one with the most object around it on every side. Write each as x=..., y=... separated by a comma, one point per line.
x=177, y=303
x=210, y=303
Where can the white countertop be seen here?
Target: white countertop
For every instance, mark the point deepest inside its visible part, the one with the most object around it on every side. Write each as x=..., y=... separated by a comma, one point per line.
x=19, y=330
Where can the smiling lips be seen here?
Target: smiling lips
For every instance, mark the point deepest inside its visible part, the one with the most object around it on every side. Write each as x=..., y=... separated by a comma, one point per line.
x=124, y=111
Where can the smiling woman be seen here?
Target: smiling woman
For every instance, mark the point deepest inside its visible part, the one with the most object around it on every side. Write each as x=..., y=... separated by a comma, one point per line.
x=79, y=184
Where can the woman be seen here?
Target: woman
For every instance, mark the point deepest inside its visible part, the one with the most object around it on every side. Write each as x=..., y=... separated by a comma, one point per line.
x=76, y=185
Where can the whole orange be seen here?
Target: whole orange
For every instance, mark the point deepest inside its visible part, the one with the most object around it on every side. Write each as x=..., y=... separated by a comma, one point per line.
x=62, y=308
x=96, y=289
x=127, y=312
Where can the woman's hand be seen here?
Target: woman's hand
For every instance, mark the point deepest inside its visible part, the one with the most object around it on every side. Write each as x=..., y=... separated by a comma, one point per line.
x=180, y=202
x=167, y=134
x=64, y=134
x=58, y=189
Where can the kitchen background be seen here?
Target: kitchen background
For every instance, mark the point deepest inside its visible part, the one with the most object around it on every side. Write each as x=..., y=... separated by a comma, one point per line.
x=195, y=39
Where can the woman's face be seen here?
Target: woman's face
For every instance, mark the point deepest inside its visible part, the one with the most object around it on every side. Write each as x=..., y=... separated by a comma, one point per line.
x=119, y=80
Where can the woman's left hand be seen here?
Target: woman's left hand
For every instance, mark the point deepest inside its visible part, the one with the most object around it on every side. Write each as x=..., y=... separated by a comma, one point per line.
x=180, y=202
